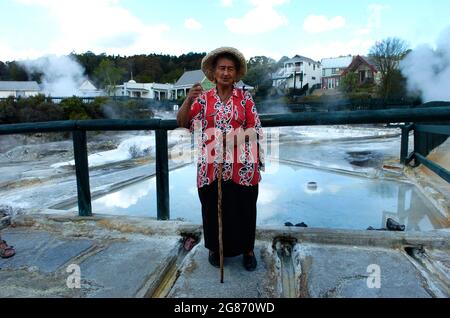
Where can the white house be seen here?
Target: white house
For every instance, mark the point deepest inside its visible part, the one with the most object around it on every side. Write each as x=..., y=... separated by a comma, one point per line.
x=332, y=70
x=87, y=89
x=297, y=73
x=144, y=90
x=19, y=89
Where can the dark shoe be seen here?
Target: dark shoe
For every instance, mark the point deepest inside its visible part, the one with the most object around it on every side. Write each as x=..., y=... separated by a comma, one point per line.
x=6, y=251
x=374, y=229
x=394, y=226
x=214, y=259
x=250, y=262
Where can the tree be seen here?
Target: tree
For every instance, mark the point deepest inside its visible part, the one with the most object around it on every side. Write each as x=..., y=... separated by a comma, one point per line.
x=261, y=61
x=259, y=75
x=349, y=82
x=108, y=75
x=16, y=72
x=3, y=71
x=90, y=61
x=386, y=55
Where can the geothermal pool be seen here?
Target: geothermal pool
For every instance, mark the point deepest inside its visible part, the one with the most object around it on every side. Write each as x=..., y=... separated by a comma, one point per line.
x=338, y=201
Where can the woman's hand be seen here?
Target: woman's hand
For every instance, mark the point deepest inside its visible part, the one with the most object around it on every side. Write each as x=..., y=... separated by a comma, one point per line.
x=183, y=113
x=194, y=93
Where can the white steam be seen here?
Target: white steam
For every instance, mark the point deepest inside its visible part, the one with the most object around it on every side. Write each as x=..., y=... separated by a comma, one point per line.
x=428, y=70
x=62, y=75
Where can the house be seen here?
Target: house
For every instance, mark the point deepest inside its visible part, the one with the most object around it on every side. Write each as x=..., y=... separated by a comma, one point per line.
x=366, y=71
x=133, y=89
x=19, y=89
x=333, y=69
x=189, y=78
x=296, y=73
x=88, y=89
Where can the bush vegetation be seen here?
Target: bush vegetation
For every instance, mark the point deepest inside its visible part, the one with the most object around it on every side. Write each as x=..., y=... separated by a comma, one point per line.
x=42, y=109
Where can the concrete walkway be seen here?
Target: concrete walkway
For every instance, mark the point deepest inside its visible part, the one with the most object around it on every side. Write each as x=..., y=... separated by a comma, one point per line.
x=135, y=257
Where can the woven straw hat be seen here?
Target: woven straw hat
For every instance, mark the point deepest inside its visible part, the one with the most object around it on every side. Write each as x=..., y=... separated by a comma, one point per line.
x=208, y=61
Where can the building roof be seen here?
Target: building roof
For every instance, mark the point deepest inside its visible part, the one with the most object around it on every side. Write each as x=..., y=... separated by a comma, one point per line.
x=357, y=62
x=241, y=84
x=337, y=62
x=190, y=78
x=299, y=58
x=19, y=86
x=87, y=86
x=161, y=86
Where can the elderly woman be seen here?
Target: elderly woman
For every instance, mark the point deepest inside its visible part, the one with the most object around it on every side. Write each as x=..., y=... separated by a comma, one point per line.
x=226, y=114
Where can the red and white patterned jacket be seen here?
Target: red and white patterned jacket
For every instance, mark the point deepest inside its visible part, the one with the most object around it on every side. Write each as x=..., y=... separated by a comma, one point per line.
x=210, y=118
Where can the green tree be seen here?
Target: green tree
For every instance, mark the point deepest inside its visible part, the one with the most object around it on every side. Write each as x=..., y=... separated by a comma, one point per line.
x=3, y=71
x=16, y=72
x=90, y=61
x=349, y=83
x=108, y=75
x=259, y=75
x=386, y=55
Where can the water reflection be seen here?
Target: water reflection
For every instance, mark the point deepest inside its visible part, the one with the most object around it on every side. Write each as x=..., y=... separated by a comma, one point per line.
x=338, y=201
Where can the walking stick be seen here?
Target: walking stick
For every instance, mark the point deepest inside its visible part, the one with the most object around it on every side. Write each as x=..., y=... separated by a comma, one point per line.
x=219, y=210
x=219, y=216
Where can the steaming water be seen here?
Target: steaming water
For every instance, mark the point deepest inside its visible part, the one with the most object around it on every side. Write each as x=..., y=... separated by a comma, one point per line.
x=428, y=69
x=340, y=201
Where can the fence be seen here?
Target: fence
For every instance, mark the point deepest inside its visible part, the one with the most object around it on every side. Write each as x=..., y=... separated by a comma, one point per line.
x=79, y=128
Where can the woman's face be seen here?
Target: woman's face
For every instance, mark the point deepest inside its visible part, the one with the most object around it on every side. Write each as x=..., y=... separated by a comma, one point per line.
x=225, y=72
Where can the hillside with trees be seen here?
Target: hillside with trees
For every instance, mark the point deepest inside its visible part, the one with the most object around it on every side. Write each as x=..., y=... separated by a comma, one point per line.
x=145, y=68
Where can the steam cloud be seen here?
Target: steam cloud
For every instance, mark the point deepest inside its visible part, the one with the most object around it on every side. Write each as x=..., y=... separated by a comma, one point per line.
x=428, y=70
x=62, y=75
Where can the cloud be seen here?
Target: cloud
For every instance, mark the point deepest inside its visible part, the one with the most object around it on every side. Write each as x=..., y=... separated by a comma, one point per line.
x=10, y=53
x=320, y=23
x=102, y=26
x=226, y=3
x=260, y=19
x=374, y=19
x=192, y=24
x=355, y=46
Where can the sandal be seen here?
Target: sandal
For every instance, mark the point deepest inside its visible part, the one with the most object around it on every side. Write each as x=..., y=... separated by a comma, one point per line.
x=5, y=250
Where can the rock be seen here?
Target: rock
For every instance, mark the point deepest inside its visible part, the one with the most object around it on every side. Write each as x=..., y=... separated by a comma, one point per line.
x=9, y=211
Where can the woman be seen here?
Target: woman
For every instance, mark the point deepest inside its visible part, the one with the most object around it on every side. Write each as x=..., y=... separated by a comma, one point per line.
x=225, y=114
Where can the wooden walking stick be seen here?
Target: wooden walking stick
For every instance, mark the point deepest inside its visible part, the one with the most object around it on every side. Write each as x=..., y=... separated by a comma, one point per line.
x=219, y=212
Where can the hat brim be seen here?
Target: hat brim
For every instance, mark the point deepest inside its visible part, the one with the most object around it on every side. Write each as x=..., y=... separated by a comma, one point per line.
x=208, y=61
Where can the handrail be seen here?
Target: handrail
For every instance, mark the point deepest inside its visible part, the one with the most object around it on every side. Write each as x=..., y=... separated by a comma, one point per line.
x=79, y=128
x=436, y=114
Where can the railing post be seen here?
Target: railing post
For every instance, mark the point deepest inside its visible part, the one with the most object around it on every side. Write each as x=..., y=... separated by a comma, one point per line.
x=82, y=173
x=162, y=175
x=416, y=149
x=405, y=143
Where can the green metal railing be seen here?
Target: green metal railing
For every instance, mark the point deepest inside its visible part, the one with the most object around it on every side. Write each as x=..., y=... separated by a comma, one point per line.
x=79, y=129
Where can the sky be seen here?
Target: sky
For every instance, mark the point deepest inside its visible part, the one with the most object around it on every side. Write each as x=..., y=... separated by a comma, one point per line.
x=275, y=28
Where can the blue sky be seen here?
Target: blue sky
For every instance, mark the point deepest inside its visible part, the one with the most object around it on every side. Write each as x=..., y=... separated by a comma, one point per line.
x=316, y=29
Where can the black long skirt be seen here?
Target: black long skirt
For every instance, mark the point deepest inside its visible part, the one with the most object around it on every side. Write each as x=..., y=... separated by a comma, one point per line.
x=239, y=217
